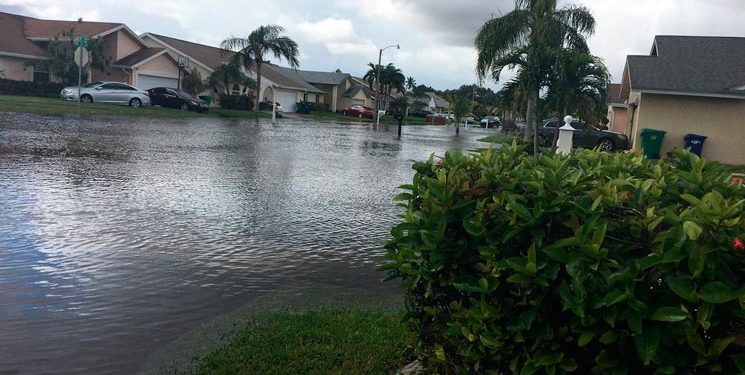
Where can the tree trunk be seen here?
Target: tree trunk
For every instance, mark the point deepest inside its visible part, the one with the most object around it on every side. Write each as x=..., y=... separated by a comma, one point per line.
x=531, y=128
x=258, y=87
x=457, y=127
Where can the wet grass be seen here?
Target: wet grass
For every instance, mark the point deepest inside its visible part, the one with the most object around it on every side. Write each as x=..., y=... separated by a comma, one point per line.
x=57, y=107
x=322, y=341
x=498, y=138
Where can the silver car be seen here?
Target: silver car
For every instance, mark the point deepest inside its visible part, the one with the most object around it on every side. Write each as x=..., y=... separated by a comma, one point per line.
x=108, y=92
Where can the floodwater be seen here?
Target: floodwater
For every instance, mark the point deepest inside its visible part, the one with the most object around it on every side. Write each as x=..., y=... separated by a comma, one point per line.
x=117, y=236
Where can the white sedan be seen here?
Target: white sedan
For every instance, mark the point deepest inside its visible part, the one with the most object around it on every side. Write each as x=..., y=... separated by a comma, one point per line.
x=108, y=92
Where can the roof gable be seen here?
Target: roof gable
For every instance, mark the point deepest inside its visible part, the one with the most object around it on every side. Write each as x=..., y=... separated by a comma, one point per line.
x=208, y=56
x=690, y=65
x=140, y=57
x=13, y=41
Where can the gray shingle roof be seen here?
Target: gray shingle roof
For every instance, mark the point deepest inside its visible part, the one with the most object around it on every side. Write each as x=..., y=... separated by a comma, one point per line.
x=708, y=66
x=324, y=78
x=439, y=102
x=138, y=57
x=288, y=77
x=352, y=91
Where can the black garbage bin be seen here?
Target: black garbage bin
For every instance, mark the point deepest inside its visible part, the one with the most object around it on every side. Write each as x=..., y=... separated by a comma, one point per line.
x=695, y=143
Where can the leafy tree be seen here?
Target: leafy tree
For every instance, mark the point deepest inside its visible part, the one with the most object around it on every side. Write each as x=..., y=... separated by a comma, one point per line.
x=250, y=52
x=528, y=38
x=61, y=51
x=192, y=82
x=225, y=75
x=460, y=106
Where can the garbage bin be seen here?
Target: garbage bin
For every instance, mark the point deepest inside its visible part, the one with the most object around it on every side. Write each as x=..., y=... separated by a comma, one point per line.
x=652, y=142
x=206, y=98
x=695, y=143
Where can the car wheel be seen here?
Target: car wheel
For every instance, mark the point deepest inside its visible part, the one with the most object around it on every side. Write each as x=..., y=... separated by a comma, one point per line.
x=86, y=98
x=606, y=145
x=135, y=103
x=185, y=107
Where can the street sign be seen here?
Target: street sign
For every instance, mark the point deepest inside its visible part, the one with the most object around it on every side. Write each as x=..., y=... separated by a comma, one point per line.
x=81, y=57
x=81, y=41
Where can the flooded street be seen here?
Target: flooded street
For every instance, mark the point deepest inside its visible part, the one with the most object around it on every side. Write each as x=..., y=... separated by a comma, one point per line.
x=116, y=236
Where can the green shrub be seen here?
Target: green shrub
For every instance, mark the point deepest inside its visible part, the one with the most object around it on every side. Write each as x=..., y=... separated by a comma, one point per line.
x=27, y=88
x=596, y=263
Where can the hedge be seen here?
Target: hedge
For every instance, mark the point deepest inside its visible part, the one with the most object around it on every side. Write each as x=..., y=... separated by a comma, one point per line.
x=236, y=102
x=594, y=263
x=28, y=88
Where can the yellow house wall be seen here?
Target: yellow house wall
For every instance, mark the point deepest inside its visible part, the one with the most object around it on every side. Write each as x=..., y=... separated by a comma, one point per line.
x=722, y=120
x=16, y=69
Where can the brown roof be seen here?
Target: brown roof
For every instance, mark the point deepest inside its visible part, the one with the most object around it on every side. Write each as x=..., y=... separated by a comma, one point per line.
x=207, y=55
x=48, y=29
x=138, y=57
x=12, y=39
x=614, y=94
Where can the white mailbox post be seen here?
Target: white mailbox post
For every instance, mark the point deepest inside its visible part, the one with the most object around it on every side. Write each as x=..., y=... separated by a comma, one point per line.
x=566, y=132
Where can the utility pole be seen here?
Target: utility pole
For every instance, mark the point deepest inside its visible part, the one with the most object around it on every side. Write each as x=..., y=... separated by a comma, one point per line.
x=377, y=85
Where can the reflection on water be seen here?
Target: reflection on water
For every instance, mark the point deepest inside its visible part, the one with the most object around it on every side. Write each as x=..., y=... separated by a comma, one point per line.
x=118, y=235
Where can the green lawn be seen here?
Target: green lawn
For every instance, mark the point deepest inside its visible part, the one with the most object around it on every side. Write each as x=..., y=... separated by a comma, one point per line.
x=324, y=341
x=57, y=107
x=498, y=138
x=333, y=116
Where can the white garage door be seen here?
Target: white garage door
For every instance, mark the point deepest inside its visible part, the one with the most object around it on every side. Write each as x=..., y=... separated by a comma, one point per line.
x=358, y=102
x=145, y=81
x=288, y=99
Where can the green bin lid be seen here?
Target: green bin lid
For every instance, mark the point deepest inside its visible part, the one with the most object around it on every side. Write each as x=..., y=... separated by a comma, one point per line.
x=653, y=131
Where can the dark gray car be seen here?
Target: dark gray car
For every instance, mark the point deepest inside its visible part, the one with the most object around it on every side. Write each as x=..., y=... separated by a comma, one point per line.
x=585, y=136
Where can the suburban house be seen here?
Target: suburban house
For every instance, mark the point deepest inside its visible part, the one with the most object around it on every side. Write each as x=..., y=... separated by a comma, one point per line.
x=690, y=85
x=359, y=92
x=616, y=109
x=279, y=84
x=24, y=42
x=436, y=104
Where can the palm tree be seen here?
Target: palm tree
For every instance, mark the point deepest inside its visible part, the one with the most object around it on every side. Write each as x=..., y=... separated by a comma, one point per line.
x=225, y=75
x=461, y=106
x=531, y=34
x=410, y=83
x=252, y=51
x=579, y=87
x=390, y=78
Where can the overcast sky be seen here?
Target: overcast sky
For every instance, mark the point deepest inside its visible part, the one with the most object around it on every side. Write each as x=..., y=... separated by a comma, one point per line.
x=436, y=36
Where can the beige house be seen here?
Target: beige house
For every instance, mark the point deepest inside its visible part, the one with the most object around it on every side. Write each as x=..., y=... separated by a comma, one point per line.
x=690, y=85
x=617, y=119
x=24, y=42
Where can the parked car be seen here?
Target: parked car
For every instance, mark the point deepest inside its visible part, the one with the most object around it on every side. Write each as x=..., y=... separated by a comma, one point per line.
x=266, y=105
x=172, y=98
x=108, y=92
x=357, y=110
x=585, y=136
x=423, y=113
x=490, y=122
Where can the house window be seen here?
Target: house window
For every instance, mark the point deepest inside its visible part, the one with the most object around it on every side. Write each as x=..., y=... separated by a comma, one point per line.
x=305, y=96
x=318, y=98
x=41, y=73
x=236, y=90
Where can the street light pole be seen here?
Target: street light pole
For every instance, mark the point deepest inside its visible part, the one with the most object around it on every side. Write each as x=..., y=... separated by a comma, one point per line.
x=377, y=85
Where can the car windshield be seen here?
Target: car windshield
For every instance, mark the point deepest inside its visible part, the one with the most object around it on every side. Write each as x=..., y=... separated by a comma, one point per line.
x=93, y=84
